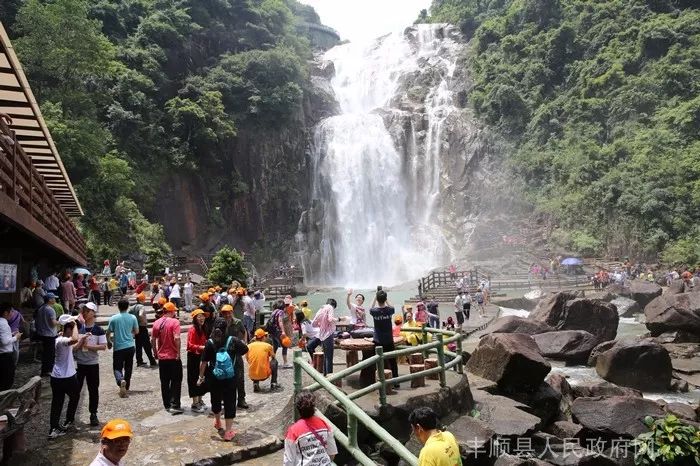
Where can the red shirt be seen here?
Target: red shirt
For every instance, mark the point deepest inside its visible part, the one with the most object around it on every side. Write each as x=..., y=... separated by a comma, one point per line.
x=164, y=331
x=196, y=340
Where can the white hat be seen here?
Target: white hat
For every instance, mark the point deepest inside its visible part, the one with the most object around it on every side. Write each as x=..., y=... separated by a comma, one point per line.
x=91, y=306
x=66, y=318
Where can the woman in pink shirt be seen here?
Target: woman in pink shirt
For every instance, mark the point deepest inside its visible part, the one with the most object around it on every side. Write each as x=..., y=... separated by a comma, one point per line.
x=325, y=321
x=68, y=293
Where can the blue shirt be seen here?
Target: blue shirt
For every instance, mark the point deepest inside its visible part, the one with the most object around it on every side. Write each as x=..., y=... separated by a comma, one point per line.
x=121, y=326
x=123, y=281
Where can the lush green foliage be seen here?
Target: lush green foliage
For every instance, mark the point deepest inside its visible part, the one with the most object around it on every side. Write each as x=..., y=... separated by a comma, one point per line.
x=227, y=266
x=669, y=442
x=602, y=102
x=133, y=90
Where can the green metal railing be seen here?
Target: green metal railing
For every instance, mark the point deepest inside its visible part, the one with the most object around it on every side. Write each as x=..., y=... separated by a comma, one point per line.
x=355, y=413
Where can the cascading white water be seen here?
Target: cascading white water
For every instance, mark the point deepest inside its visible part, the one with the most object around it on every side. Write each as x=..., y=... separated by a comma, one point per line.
x=380, y=203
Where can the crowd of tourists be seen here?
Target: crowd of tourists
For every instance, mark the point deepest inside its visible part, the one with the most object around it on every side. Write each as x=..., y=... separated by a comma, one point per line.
x=690, y=276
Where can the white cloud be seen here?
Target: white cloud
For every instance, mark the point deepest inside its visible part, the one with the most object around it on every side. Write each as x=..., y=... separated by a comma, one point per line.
x=359, y=20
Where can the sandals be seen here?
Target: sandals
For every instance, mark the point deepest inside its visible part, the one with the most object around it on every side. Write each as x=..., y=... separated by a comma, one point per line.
x=228, y=435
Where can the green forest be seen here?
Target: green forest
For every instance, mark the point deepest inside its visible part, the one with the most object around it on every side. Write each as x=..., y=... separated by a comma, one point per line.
x=601, y=101
x=134, y=89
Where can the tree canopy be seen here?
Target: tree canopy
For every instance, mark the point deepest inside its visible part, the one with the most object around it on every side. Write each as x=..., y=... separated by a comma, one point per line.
x=602, y=103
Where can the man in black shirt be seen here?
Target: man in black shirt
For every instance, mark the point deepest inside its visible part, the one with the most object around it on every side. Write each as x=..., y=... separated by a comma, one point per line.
x=233, y=327
x=383, y=318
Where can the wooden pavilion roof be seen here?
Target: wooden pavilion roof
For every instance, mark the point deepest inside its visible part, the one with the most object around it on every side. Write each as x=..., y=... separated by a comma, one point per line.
x=17, y=100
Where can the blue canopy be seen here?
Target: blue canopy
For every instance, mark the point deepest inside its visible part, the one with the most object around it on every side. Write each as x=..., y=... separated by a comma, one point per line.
x=82, y=271
x=572, y=261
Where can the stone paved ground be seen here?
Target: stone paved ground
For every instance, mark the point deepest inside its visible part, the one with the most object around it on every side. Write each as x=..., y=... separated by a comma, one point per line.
x=160, y=437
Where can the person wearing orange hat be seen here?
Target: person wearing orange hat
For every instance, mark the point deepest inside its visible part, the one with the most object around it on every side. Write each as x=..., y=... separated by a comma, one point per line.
x=165, y=339
x=143, y=343
x=115, y=439
x=230, y=326
x=196, y=340
x=209, y=312
x=261, y=362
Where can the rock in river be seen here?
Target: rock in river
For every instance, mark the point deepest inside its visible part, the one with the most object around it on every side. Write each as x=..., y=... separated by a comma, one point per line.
x=512, y=360
x=626, y=307
x=572, y=346
x=672, y=312
x=643, y=365
x=515, y=324
x=615, y=416
x=563, y=313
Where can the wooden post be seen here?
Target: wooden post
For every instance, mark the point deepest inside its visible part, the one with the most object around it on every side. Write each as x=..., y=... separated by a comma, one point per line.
x=14, y=166
x=31, y=189
x=318, y=362
x=351, y=358
x=388, y=382
x=416, y=359
x=429, y=364
x=418, y=381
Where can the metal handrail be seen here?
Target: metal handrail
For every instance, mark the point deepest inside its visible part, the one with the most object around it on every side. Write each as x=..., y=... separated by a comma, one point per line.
x=354, y=414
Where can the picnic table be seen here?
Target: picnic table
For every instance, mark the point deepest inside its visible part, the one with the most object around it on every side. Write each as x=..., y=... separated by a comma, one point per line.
x=352, y=345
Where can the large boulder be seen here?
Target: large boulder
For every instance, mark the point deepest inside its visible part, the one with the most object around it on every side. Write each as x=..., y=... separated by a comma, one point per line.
x=644, y=292
x=643, y=365
x=626, y=307
x=603, y=388
x=564, y=312
x=672, y=312
x=572, y=346
x=512, y=360
x=514, y=324
x=615, y=416
x=606, y=345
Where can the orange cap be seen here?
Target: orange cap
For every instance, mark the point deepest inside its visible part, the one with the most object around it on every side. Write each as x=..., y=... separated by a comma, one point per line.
x=196, y=312
x=260, y=334
x=226, y=308
x=162, y=301
x=204, y=297
x=140, y=297
x=211, y=290
x=169, y=307
x=116, y=428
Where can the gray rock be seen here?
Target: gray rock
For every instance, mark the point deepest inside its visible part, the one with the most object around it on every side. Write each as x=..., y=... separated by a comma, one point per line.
x=604, y=295
x=596, y=317
x=512, y=360
x=565, y=430
x=606, y=345
x=560, y=385
x=471, y=434
x=504, y=416
x=643, y=365
x=603, y=389
x=614, y=417
x=511, y=460
x=686, y=365
x=677, y=337
x=643, y=291
x=515, y=324
x=626, y=307
x=678, y=385
x=672, y=312
x=572, y=346
x=543, y=402
x=681, y=411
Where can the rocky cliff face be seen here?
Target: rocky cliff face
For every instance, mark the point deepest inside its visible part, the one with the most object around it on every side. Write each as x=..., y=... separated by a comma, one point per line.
x=271, y=183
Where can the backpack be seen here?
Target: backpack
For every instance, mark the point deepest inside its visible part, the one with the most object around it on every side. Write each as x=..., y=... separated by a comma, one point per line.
x=223, y=367
x=271, y=326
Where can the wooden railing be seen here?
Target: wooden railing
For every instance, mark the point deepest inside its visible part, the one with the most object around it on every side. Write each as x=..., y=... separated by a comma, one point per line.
x=437, y=279
x=23, y=184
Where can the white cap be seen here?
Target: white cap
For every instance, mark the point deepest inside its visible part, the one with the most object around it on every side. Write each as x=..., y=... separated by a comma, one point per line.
x=66, y=318
x=91, y=305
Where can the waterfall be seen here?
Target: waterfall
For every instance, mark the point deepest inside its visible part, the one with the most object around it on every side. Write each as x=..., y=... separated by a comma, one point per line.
x=377, y=165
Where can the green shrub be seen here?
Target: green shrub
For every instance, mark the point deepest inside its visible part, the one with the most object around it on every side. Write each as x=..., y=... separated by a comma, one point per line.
x=227, y=266
x=669, y=442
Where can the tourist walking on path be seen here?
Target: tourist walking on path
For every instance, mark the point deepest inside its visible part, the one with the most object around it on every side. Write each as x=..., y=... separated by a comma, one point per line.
x=88, y=359
x=187, y=292
x=45, y=325
x=276, y=329
x=115, y=439
x=121, y=330
x=165, y=338
x=196, y=340
x=439, y=446
x=175, y=297
x=68, y=294
x=325, y=321
x=104, y=289
x=249, y=313
x=262, y=364
x=219, y=373
x=357, y=311
x=463, y=305
x=63, y=377
x=433, y=313
x=8, y=341
x=309, y=440
x=231, y=326
x=123, y=284
x=479, y=299
x=143, y=343
x=382, y=315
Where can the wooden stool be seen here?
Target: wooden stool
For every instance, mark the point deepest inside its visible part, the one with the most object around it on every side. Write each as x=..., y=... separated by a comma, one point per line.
x=419, y=381
x=415, y=359
x=429, y=364
x=387, y=379
x=351, y=358
x=318, y=362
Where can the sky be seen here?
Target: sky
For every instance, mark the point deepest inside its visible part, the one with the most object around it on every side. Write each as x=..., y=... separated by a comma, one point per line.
x=358, y=20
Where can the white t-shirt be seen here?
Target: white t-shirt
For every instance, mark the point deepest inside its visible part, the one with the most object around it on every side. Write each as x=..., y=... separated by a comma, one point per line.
x=248, y=307
x=100, y=460
x=175, y=291
x=64, y=365
x=188, y=288
x=354, y=308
